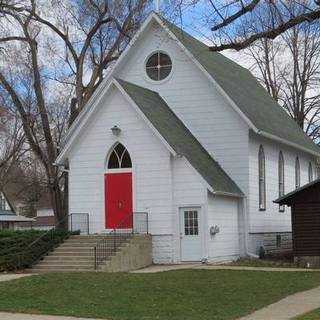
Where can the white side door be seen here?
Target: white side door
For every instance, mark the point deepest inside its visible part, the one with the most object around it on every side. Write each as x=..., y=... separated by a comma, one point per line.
x=190, y=234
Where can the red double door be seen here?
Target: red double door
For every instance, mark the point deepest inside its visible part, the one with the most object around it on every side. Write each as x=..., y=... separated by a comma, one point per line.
x=118, y=200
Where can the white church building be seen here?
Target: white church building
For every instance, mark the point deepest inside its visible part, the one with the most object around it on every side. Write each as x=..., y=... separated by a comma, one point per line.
x=191, y=138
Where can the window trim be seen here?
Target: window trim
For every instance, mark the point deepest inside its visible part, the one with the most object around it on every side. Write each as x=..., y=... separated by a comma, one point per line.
x=145, y=68
x=119, y=168
x=281, y=179
x=262, y=179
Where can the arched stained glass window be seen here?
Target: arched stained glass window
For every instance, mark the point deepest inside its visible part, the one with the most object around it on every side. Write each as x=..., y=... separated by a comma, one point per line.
x=119, y=158
x=310, y=172
x=281, y=179
x=297, y=169
x=262, y=179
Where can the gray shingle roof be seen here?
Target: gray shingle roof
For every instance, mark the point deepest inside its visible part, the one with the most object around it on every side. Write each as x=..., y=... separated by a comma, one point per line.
x=181, y=140
x=245, y=91
x=9, y=216
x=6, y=212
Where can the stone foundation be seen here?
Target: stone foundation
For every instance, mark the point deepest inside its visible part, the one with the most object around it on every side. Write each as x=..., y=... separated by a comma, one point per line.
x=162, y=249
x=273, y=242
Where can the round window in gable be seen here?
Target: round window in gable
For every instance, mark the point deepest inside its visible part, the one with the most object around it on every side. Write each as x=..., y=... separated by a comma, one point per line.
x=158, y=66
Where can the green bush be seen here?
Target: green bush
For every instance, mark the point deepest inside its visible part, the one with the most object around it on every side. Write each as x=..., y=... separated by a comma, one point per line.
x=20, y=249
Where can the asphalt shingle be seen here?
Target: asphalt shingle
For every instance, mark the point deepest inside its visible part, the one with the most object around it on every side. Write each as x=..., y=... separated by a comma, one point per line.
x=245, y=91
x=181, y=140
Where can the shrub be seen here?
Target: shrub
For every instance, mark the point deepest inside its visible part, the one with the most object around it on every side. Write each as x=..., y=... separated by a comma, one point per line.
x=20, y=249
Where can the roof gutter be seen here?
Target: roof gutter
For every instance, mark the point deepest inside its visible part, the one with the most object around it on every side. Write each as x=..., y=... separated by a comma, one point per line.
x=228, y=194
x=289, y=143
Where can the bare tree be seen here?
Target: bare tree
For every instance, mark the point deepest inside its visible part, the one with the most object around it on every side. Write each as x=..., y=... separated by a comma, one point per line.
x=237, y=23
x=289, y=68
x=59, y=47
x=12, y=141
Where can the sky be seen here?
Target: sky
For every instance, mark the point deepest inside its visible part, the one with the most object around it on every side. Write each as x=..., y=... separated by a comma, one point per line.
x=195, y=21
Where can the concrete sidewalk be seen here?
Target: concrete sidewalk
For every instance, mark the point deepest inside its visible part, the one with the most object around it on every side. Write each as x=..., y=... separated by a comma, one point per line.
x=289, y=307
x=162, y=268
x=12, y=276
x=22, y=316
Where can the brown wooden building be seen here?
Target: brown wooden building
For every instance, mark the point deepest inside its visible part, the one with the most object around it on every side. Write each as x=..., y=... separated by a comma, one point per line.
x=305, y=211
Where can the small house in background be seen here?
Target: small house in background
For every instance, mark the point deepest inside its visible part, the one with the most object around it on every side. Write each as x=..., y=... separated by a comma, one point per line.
x=44, y=213
x=44, y=219
x=8, y=218
x=305, y=211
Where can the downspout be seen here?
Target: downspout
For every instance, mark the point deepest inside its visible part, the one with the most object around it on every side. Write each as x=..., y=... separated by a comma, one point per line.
x=246, y=230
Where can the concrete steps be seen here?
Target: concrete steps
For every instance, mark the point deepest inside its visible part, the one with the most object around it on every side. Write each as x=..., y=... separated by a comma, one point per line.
x=76, y=254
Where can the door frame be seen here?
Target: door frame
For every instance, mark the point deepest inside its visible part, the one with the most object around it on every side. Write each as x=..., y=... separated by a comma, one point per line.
x=115, y=171
x=201, y=218
x=118, y=170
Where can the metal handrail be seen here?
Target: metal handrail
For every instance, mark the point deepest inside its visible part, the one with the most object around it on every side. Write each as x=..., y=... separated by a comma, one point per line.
x=102, y=250
x=45, y=234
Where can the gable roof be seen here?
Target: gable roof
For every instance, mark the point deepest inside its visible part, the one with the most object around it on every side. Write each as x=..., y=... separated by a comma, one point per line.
x=5, y=217
x=180, y=139
x=264, y=114
x=253, y=103
x=8, y=201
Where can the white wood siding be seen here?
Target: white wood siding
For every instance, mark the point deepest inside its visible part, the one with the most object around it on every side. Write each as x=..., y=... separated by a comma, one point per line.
x=196, y=101
x=152, y=189
x=271, y=220
x=223, y=212
x=189, y=190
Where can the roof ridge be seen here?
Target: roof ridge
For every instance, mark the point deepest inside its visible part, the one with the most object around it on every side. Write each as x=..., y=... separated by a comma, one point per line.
x=185, y=33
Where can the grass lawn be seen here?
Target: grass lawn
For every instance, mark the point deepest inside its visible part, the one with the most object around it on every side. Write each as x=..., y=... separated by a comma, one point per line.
x=174, y=295
x=314, y=315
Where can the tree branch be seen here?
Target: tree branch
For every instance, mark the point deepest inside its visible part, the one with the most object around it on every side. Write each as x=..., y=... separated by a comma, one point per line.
x=13, y=38
x=236, y=16
x=269, y=34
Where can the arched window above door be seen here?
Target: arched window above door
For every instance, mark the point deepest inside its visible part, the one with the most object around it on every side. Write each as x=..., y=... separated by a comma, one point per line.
x=119, y=158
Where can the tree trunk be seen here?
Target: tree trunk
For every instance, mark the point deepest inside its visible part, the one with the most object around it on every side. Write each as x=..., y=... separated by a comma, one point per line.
x=57, y=200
